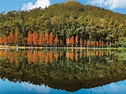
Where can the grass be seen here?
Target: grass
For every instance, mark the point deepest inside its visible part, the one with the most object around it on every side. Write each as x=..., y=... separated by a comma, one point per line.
x=79, y=48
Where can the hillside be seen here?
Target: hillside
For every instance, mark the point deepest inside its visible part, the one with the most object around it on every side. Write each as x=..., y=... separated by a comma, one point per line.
x=69, y=24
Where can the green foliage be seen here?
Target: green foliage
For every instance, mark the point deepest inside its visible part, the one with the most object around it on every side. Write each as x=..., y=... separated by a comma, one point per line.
x=123, y=42
x=67, y=19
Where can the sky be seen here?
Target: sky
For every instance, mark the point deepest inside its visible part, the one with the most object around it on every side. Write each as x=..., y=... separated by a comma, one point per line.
x=9, y=5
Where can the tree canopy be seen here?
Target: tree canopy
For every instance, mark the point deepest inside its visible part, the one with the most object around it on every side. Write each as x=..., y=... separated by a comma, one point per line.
x=63, y=22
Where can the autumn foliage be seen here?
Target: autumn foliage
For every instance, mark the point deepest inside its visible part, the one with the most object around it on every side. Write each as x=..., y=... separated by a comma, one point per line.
x=62, y=25
x=72, y=40
x=1, y=41
x=48, y=39
x=56, y=40
x=51, y=39
x=35, y=38
x=41, y=39
x=30, y=38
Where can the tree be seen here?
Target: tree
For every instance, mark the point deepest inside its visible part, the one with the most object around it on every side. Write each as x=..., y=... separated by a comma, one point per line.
x=67, y=41
x=16, y=41
x=51, y=39
x=76, y=40
x=88, y=23
x=122, y=42
x=72, y=40
x=85, y=43
x=1, y=41
x=41, y=39
x=56, y=40
x=71, y=0
x=81, y=42
x=30, y=38
x=24, y=41
x=4, y=40
x=35, y=38
x=46, y=38
x=11, y=38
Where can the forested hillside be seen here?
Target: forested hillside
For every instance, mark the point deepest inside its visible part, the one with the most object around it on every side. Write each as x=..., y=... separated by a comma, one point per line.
x=66, y=24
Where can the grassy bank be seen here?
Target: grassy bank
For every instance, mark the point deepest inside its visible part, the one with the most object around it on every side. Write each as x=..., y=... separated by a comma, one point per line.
x=79, y=48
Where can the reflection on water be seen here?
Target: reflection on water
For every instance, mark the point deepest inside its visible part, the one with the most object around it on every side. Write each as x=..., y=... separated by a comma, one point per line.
x=48, y=56
x=71, y=70
x=37, y=88
x=113, y=88
x=8, y=87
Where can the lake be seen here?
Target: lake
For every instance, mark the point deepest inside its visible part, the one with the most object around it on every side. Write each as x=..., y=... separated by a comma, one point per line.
x=62, y=71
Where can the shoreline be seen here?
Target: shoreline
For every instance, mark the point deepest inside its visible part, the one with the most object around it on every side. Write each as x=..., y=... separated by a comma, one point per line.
x=69, y=48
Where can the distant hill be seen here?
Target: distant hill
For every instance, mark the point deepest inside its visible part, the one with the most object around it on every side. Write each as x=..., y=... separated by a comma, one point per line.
x=71, y=23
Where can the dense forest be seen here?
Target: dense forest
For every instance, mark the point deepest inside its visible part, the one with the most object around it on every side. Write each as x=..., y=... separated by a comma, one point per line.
x=66, y=24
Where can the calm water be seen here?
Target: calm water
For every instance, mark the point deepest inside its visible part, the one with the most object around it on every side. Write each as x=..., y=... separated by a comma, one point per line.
x=62, y=72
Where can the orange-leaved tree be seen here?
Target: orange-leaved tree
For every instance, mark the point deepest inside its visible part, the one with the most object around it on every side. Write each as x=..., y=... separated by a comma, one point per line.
x=1, y=41
x=67, y=41
x=41, y=39
x=11, y=38
x=30, y=38
x=56, y=40
x=5, y=41
x=51, y=39
x=46, y=38
x=72, y=40
x=35, y=38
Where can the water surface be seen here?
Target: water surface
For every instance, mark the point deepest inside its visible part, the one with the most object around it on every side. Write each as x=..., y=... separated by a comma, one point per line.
x=62, y=72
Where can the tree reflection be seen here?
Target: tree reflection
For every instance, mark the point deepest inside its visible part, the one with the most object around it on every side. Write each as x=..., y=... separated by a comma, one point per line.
x=70, y=70
x=48, y=56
